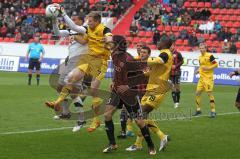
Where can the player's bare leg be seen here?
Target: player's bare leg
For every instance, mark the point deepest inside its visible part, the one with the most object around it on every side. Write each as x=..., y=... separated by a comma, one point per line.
x=212, y=104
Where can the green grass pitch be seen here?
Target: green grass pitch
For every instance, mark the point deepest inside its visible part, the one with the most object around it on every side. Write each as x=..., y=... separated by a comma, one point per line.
x=27, y=130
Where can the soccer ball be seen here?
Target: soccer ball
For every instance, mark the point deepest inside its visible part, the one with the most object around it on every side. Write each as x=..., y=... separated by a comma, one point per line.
x=52, y=11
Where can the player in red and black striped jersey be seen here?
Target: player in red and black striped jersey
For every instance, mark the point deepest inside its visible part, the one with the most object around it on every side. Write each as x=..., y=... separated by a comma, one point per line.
x=122, y=94
x=175, y=75
x=237, y=103
x=126, y=122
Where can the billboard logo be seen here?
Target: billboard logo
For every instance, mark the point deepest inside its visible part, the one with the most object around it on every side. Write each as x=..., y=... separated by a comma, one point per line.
x=8, y=63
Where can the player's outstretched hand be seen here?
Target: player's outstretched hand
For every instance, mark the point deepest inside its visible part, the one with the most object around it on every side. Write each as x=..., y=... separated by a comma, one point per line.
x=231, y=74
x=60, y=8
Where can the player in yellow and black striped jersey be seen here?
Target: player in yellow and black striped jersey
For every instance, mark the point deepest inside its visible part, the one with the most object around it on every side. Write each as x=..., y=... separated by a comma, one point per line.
x=159, y=69
x=93, y=63
x=207, y=64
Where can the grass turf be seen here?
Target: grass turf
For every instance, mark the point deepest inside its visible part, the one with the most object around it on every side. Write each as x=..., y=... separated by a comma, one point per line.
x=22, y=110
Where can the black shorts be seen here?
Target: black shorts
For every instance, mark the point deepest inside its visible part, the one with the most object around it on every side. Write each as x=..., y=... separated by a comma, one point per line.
x=175, y=79
x=238, y=96
x=34, y=63
x=134, y=108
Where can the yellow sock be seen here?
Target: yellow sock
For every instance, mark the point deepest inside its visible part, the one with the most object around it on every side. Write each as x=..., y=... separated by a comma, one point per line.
x=139, y=139
x=154, y=128
x=64, y=93
x=129, y=125
x=198, y=101
x=212, y=103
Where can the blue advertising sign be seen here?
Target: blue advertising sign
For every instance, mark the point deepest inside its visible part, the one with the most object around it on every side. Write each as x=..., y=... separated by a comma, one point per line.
x=48, y=65
x=221, y=77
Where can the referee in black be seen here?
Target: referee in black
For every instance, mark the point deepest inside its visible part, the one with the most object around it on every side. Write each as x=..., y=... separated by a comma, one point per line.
x=35, y=55
x=175, y=75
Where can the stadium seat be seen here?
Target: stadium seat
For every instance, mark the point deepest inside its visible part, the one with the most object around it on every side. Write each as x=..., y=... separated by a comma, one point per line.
x=30, y=10
x=224, y=11
x=160, y=28
x=6, y=39
x=44, y=36
x=206, y=36
x=141, y=33
x=30, y=40
x=238, y=44
x=200, y=5
x=51, y=42
x=11, y=40
x=153, y=47
x=207, y=5
x=167, y=28
x=43, y=41
x=216, y=11
x=149, y=34
x=174, y=28
x=136, y=40
x=131, y=46
x=129, y=39
x=149, y=40
x=1, y=39
x=187, y=4
x=233, y=30
x=181, y=28
x=178, y=42
x=209, y=43
x=159, y=21
x=212, y=36
x=185, y=42
x=225, y=17
x=194, y=4
x=236, y=24
x=127, y=34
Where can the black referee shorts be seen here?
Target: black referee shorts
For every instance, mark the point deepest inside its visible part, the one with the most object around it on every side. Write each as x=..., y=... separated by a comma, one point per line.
x=175, y=79
x=34, y=63
x=238, y=96
x=134, y=108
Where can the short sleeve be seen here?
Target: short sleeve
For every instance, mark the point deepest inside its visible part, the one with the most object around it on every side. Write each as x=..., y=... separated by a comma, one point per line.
x=164, y=57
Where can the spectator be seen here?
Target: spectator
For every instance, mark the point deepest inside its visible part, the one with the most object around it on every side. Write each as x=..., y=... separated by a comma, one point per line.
x=192, y=40
x=172, y=19
x=226, y=46
x=205, y=14
x=24, y=37
x=233, y=48
x=172, y=36
x=164, y=35
x=133, y=29
x=165, y=19
x=186, y=18
x=156, y=37
x=179, y=20
x=4, y=31
x=201, y=39
x=137, y=16
x=183, y=34
x=217, y=26
x=145, y=24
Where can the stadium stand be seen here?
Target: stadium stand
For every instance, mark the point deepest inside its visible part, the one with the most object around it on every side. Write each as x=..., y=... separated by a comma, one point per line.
x=188, y=22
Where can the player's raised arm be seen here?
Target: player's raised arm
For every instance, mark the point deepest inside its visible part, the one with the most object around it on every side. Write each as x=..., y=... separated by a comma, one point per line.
x=57, y=32
x=70, y=23
x=235, y=73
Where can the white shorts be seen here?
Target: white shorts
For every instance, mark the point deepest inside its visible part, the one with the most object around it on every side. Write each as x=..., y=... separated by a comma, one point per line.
x=71, y=64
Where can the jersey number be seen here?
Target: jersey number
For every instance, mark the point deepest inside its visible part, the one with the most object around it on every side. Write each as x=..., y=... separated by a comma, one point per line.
x=152, y=98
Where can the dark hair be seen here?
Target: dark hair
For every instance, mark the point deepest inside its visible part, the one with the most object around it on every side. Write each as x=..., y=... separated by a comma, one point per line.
x=165, y=43
x=95, y=15
x=120, y=43
x=146, y=48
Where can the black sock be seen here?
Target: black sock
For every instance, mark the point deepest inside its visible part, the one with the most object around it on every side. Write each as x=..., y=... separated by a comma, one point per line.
x=147, y=137
x=29, y=79
x=77, y=104
x=178, y=96
x=174, y=97
x=38, y=79
x=109, y=127
x=123, y=119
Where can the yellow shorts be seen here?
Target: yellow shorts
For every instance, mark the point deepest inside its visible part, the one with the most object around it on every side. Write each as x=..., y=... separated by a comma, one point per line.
x=94, y=66
x=205, y=85
x=152, y=99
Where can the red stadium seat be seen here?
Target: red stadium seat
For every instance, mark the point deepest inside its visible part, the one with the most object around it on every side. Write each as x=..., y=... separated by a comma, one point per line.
x=229, y=24
x=154, y=47
x=209, y=43
x=149, y=34
x=181, y=28
x=129, y=39
x=212, y=36
x=131, y=46
x=200, y=5
x=6, y=39
x=233, y=30
x=51, y=42
x=160, y=28
x=194, y=4
x=30, y=10
x=206, y=36
x=30, y=40
x=238, y=44
x=167, y=28
x=44, y=36
x=187, y=4
x=174, y=28
x=43, y=41
x=136, y=40
x=127, y=33
x=223, y=11
x=159, y=21
x=219, y=50
x=236, y=24
x=149, y=41
x=11, y=40
x=216, y=11
x=185, y=42
x=215, y=44
x=230, y=11
x=208, y=5
x=1, y=39
x=225, y=17
x=141, y=33
x=179, y=42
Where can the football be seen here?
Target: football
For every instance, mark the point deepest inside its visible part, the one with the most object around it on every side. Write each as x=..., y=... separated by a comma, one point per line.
x=51, y=11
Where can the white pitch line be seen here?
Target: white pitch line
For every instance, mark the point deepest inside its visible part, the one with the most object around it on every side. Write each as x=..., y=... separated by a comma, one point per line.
x=65, y=128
